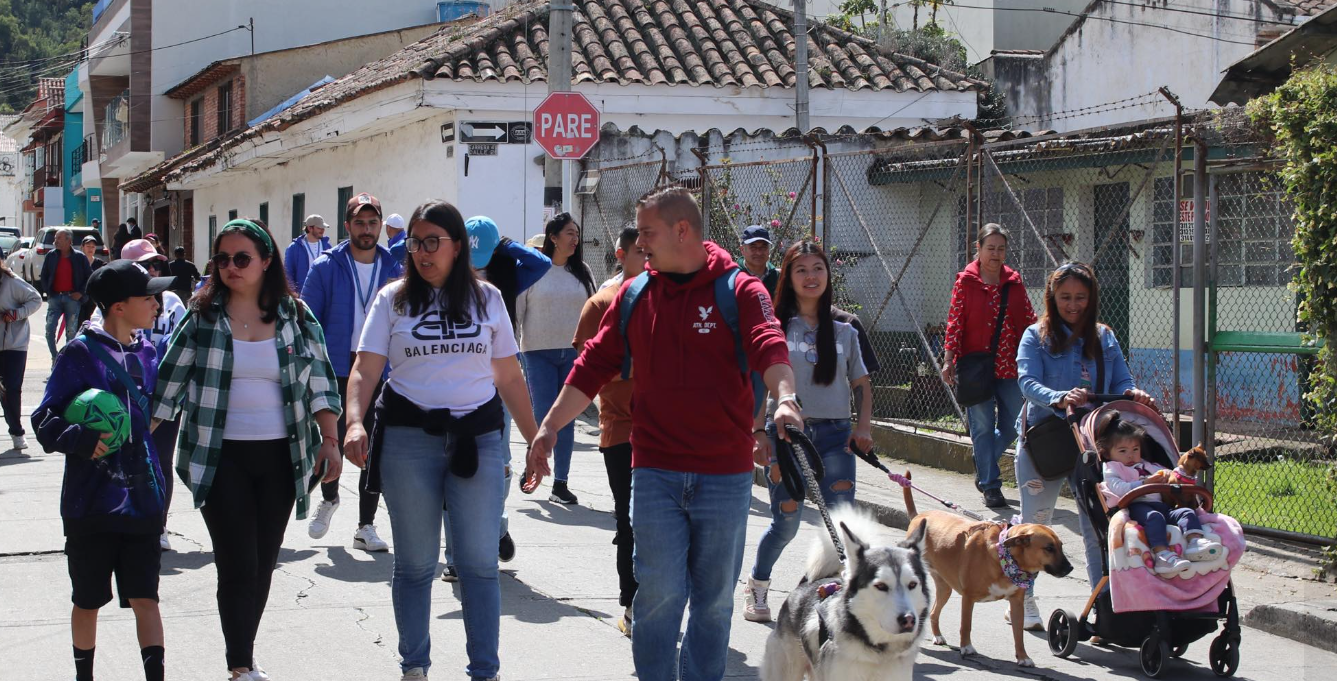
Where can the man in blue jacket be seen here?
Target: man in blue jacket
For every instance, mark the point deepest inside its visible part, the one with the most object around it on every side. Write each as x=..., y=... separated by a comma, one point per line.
x=339, y=289
x=304, y=250
x=64, y=274
x=394, y=238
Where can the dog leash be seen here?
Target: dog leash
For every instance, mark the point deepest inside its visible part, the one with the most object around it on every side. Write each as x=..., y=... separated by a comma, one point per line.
x=904, y=481
x=797, y=436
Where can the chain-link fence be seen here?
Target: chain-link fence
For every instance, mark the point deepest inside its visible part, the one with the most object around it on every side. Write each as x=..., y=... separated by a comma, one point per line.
x=612, y=206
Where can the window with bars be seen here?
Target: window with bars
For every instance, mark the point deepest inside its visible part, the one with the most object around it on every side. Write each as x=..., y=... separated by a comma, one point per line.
x=1026, y=252
x=1254, y=227
x=213, y=230
x=195, y=120
x=298, y=214
x=264, y=213
x=224, y=108
x=345, y=193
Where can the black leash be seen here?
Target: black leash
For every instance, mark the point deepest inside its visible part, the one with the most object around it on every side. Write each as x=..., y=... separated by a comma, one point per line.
x=810, y=478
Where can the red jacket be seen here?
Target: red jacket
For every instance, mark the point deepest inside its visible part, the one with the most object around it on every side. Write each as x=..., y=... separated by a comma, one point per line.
x=692, y=410
x=974, y=310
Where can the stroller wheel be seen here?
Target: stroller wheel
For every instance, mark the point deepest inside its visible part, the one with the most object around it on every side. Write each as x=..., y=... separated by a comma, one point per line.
x=1224, y=656
x=1178, y=651
x=1155, y=654
x=1063, y=633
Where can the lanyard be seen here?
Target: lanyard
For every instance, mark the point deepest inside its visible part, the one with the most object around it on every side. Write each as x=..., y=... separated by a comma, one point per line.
x=365, y=297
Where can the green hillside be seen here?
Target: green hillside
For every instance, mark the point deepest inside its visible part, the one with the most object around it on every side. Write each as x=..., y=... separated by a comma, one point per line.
x=38, y=38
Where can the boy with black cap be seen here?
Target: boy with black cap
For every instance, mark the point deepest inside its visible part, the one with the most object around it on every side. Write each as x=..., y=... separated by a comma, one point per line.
x=111, y=500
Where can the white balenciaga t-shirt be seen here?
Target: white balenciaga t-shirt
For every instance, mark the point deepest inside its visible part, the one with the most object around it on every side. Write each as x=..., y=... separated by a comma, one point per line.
x=433, y=362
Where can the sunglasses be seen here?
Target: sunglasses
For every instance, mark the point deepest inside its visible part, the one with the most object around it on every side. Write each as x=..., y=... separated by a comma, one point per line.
x=413, y=244
x=222, y=261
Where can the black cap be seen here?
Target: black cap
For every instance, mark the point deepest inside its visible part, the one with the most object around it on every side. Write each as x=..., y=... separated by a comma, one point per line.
x=122, y=279
x=756, y=233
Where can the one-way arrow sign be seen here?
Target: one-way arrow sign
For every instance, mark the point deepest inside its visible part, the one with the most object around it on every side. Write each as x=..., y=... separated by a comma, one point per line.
x=482, y=132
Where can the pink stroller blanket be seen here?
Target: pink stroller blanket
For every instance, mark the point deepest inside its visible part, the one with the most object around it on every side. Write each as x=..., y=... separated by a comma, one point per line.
x=1135, y=587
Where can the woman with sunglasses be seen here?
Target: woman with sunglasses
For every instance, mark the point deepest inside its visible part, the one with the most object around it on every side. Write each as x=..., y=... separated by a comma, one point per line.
x=829, y=370
x=1061, y=361
x=437, y=438
x=248, y=366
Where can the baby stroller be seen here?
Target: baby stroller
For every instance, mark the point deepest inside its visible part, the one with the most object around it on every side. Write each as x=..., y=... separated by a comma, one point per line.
x=1159, y=633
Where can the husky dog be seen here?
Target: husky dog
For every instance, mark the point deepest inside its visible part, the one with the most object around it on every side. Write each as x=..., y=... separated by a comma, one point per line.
x=864, y=622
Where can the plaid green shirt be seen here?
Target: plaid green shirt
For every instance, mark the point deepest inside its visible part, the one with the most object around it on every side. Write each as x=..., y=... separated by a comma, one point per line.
x=196, y=372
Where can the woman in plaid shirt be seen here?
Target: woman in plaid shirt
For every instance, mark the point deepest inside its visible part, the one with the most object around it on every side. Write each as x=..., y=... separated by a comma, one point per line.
x=248, y=366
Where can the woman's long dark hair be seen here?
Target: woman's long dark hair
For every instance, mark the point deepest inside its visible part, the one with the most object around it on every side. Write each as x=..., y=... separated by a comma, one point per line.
x=786, y=307
x=274, y=289
x=1051, y=324
x=576, y=263
x=462, y=296
x=502, y=272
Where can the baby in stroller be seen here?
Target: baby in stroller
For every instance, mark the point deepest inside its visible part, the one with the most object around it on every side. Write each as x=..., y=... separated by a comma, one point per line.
x=1120, y=450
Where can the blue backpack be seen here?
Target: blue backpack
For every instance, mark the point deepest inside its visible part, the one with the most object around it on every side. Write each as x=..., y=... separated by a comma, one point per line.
x=726, y=300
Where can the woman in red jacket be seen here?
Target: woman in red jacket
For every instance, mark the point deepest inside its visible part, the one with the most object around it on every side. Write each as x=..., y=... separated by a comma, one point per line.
x=976, y=298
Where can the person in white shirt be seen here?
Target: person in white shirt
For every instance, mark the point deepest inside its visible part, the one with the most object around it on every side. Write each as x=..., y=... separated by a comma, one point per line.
x=437, y=438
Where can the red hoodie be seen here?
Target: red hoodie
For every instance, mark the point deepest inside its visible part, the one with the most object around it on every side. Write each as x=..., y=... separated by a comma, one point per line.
x=974, y=311
x=692, y=410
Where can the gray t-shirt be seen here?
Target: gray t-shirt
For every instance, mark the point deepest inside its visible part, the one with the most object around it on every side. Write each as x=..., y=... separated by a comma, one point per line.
x=824, y=401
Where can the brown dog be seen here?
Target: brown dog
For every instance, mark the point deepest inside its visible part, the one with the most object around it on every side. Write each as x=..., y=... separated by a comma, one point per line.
x=963, y=556
x=1191, y=463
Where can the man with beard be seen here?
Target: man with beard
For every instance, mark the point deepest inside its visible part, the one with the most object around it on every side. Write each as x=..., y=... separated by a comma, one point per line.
x=339, y=289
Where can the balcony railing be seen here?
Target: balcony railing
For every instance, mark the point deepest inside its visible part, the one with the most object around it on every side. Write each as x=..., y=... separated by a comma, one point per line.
x=116, y=126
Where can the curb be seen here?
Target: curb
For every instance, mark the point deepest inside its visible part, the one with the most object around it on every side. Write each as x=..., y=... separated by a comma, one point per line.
x=1300, y=622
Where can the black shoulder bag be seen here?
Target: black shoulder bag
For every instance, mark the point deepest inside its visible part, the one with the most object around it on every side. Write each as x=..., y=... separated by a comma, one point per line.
x=1052, y=443
x=975, y=372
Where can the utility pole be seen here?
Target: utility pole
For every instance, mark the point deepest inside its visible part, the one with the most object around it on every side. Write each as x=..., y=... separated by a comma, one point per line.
x=558, y=181
x=884, y=26
x=801, y=66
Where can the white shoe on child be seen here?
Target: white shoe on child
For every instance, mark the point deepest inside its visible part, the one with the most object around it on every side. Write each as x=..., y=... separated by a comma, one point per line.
x=1169, y=564
x=1201, y=549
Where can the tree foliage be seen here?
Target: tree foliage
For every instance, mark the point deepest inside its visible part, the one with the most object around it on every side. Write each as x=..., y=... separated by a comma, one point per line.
x=34, y=34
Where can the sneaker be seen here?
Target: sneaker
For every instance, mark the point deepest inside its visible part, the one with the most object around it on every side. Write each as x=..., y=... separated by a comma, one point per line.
x=624, y=623
x=366, y=539
x=506, y=548
x=449, y=575
x=415, y=674
x=1169, y=564
x=256, y=674
x=993, y=498
x=20, y=442
x=755, y=608
x=164, y=542
x=1032, y=620
x=320, y=523
x=561, y=494
x=1202, y=549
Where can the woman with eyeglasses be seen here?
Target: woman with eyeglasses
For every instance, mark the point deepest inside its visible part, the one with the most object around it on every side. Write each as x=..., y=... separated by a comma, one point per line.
x=249, y=368
x=437, y=438
x=1063, y=359
x=829, y=371
x=547, y=314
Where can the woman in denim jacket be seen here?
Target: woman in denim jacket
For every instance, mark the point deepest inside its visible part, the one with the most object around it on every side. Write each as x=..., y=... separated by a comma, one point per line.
x=1056, y=370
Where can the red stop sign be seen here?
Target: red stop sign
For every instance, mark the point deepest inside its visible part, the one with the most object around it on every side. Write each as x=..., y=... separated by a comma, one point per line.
x=566, y=125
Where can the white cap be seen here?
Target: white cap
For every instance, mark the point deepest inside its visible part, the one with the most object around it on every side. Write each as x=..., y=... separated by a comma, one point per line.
x=395, y=220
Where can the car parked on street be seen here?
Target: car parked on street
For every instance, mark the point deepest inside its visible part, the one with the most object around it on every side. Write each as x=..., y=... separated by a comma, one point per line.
x=20, y=257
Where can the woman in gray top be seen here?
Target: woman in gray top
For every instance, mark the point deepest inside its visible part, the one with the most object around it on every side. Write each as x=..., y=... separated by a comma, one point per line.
x=829, y=370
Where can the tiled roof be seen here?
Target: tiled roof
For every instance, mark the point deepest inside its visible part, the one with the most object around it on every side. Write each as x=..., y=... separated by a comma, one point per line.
x=719, y=43
x=1311, y=8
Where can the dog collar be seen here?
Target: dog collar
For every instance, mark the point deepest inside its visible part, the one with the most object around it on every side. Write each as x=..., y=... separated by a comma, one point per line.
x=1021, y=578
x=827, y=590
x=1185, y=479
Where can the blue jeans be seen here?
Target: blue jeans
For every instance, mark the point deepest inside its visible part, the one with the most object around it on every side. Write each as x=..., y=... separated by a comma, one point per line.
x=693, y=527
x=58, y=305
x=416, y=482
x=505, y=489
x=1038, y=498
x=1152, y=516
x=831, y=438
x=991, y=434
x=545, y=373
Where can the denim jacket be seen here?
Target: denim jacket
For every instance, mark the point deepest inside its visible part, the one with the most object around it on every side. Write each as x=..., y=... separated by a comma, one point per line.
x=1045, y=377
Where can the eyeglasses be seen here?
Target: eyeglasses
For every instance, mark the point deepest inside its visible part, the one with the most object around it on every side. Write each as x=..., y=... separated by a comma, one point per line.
x=810, y=346
x=222, y=261
x=430, y=244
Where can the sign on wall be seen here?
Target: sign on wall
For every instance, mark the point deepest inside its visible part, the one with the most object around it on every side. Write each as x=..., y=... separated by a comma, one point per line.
x=9, y=164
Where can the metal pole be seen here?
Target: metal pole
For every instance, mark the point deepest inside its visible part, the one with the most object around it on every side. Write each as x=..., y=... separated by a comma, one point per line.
x=557, y=174
x=1200, y=207
x=1174, y=277
x=801, y=66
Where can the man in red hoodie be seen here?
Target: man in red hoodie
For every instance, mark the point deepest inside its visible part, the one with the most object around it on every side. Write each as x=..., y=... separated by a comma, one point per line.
x=691, y=433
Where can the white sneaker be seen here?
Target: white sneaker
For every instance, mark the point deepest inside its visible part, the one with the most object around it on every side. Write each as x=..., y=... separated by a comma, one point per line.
x=164, y=542
x=20, y=442
x=415, y=674
x=1169, y=564
x=1031, y=620
x=1202, y=549
x=755, y=608
x=366, y=539
x=256, y=674
x=320, y=523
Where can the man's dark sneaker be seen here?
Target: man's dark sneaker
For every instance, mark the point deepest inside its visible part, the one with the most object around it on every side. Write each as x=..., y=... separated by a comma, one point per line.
x=449, y=574
x=506, y=548
x=993, y=498
x=561, y=494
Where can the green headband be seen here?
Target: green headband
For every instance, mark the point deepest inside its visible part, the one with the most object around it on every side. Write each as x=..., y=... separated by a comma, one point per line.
x=254, y=230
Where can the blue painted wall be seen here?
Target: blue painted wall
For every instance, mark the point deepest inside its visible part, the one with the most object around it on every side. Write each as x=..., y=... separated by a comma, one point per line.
x=76, y=204
x=1249, y=386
